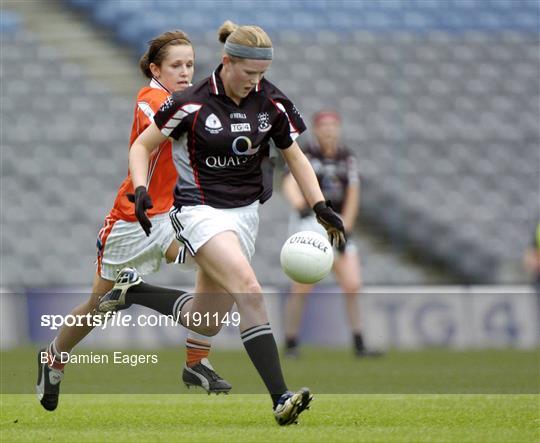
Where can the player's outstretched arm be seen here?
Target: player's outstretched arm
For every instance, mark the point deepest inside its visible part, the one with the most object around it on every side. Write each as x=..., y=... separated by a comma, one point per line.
x=140, y=151
x=351, y=206
x=139, y=155
x=292, y=193
x=303, y=173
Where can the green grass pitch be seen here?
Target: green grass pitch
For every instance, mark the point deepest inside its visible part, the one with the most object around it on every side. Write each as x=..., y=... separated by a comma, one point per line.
x=426, y=396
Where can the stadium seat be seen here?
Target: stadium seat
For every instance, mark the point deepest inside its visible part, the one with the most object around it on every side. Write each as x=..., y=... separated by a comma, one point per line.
x=440, y=104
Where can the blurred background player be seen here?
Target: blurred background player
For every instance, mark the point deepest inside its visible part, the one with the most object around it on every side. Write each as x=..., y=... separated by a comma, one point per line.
x=531, y=259
x=222, y=127
x=169, y=64
x=337, y=173
x=531, y=263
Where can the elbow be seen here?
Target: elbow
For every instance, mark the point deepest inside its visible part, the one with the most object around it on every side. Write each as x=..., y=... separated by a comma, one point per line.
x=138, y=150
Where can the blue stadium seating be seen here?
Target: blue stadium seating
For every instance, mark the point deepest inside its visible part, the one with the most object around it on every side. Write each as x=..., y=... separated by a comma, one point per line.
x=440, y=102
x=135, y=21
x=446, y=92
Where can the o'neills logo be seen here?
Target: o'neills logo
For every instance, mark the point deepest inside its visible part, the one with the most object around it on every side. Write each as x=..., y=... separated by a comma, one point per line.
x=309, y=241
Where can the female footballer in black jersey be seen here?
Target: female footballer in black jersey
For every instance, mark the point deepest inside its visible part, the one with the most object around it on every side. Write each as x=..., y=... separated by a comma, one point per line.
x=337, y=172
x=220, y=130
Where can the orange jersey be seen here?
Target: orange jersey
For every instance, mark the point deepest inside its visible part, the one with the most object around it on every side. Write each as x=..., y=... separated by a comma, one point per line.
x=161, y=171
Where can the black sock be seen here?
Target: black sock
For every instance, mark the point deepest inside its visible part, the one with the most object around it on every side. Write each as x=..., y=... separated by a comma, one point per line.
x=262, y=350
x=291, y=342
x=358, y=341
x=164, y=300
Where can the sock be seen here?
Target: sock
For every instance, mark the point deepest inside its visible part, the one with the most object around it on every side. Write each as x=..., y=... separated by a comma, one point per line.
x=358, y=341
x=291, y=342
x=197, y=348
x=164, y=300
x=262, y=350
x=55, y=357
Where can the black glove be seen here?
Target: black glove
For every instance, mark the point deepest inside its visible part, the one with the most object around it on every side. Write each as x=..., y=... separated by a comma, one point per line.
x=342, y=247
x=331, y=222
x=142, y=201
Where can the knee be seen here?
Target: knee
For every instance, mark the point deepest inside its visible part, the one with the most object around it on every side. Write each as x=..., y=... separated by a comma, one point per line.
x=297, y=298
x=208, y=330
x=248, y=292
x=351, y=291
x=248, y=285
x=303, y=294
x=252, y=301
x=300, y=290
x=351, y=288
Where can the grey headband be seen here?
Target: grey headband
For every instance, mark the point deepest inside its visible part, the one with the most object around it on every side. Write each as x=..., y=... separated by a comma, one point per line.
x=251, y=52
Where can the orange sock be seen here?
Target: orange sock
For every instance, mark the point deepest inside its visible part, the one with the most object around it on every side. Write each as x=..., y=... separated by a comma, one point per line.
x=54, y=357
x=196, y=350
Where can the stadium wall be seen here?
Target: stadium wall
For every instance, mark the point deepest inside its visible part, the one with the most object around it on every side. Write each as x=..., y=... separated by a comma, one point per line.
x=394, y=317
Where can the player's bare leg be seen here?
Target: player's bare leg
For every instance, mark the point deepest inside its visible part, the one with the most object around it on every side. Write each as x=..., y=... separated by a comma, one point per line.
x=294, y=310
x=347, y=272
x=222, y=259
x=130, y=289
x=198, y=371
x=213, y=304
x=348, y=275
x=51, y=361
x=70, y=336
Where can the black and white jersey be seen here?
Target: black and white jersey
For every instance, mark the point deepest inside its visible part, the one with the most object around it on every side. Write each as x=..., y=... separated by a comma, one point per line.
x=334, y=174
x=219, y=146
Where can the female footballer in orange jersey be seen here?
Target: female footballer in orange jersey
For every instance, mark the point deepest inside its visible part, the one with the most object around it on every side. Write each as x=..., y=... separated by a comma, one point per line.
x=169, y=64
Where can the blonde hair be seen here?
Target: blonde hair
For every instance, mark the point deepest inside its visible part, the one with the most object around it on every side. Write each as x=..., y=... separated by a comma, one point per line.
x=249, y=35
x=158, y=49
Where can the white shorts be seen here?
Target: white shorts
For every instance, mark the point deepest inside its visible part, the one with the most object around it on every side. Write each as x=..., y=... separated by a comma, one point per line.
x=121, y=243
x=310, y=223
x=195, y=225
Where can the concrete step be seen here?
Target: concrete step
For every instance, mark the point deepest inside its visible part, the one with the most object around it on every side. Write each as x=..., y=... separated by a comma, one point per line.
x=59, y=27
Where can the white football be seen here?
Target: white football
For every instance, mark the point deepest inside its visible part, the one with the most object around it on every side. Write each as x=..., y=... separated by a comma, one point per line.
x=307, y=257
